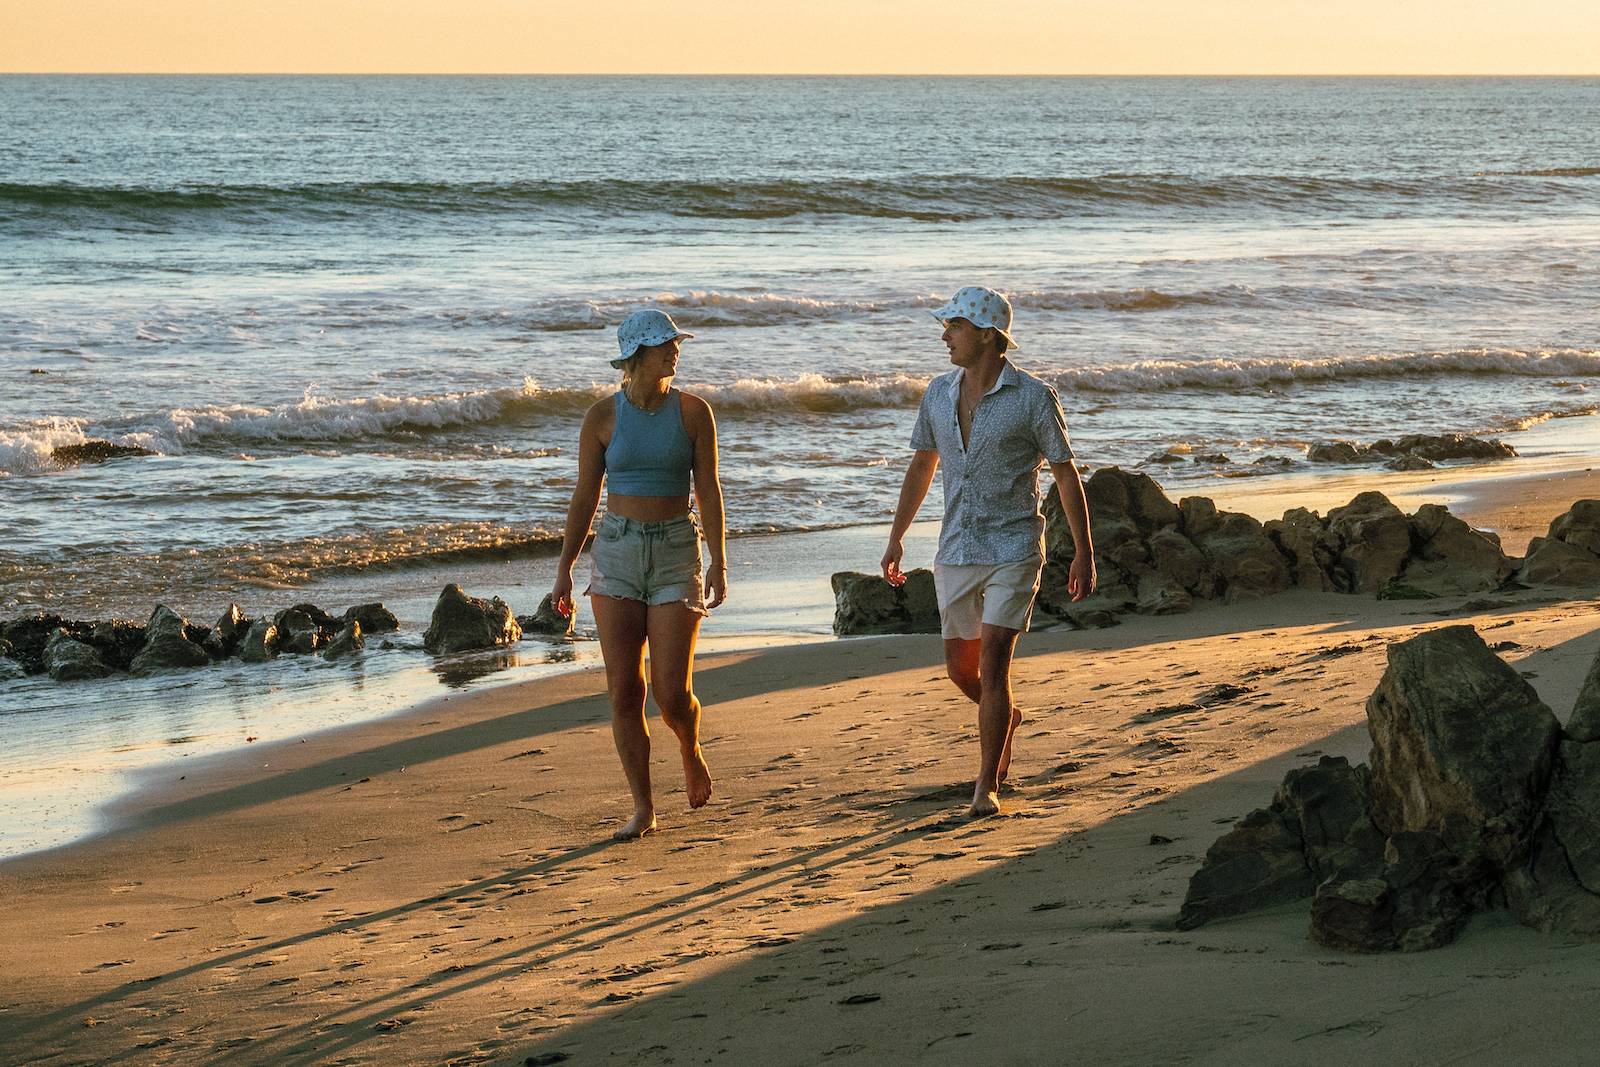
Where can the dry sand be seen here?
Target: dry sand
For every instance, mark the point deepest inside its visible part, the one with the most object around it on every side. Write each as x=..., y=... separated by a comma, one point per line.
x=439, y=887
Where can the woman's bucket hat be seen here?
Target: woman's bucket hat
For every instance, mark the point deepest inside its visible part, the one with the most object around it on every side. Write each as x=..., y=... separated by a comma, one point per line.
x=643, y=328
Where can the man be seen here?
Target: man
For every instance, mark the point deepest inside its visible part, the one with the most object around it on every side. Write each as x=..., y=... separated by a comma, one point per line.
x=991, y=427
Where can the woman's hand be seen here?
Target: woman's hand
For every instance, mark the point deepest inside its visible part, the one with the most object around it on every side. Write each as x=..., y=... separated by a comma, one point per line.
x=716, y=586
x=561, y=593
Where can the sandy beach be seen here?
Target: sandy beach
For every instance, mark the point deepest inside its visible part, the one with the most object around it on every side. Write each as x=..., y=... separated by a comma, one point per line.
x=439, y=886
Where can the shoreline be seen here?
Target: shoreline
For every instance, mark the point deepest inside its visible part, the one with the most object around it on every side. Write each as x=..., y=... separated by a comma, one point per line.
x=781, y=600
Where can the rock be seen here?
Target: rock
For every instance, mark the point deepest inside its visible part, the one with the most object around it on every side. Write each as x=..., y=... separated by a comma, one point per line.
x=1244, y=559
x=1409, y=463
x=1258, y=864
x=1579, y=526
x=1335, y=452
x=1452, y=446
x=547, y=621
x=325, y=623
x=1584, y=722
x=374, y=618
x=868, y=604
x=1317, y=824
x=70, y=660
x=461, y=622
x=117, y=640
x=1175, y=557
x=1303, y=539
x=1164, y=458
x=1374, y=540
x=1461, y=746
x=1212, y=458
x=1448, y=556
x=1420, y=898
x=28, y=635
x=95, y=452
x=225, y=636
x=1551, y=561
x=348, y=641
x=260, y=642
x=1161, y=595
x=298, y=632
x=167, y=644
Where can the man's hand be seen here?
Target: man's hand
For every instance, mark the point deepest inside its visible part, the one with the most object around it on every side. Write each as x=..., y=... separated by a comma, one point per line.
x=1081, y=576
x=891, y=563
x=716, y=587
x=561, y=593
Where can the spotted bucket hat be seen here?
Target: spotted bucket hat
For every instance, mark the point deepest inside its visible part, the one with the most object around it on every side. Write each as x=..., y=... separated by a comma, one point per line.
x=984, y=308
x=643, y=328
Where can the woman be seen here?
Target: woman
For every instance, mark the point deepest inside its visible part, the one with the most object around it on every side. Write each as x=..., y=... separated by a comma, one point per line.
x=645, y=442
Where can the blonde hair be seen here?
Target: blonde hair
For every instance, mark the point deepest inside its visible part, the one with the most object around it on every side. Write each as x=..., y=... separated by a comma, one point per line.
x=631, y=365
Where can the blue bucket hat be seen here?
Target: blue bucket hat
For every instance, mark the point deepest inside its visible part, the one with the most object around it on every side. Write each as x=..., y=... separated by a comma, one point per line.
x=984, y=308
x=643, y=328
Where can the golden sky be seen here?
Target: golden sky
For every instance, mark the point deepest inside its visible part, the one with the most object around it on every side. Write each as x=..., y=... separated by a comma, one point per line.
x=804, y=36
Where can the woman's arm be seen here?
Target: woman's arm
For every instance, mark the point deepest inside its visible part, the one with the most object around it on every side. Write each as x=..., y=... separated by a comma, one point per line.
x=702, y=428
x=585, y=500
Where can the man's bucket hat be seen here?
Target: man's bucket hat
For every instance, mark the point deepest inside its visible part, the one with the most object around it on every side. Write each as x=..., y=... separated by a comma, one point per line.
x=984, y=308
x=643, y=328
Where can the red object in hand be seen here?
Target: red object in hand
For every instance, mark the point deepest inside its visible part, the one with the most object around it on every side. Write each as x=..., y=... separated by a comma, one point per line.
x=897, y=579
x=564, y=607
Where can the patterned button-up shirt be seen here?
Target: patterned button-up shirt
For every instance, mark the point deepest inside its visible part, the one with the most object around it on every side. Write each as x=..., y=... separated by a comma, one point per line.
x=991, y=484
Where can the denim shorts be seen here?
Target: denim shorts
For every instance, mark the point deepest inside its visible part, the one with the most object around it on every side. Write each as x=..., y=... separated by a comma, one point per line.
x=656, y=562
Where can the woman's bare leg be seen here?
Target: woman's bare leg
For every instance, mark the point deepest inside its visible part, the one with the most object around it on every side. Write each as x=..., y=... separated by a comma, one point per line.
x=673, y=630
x=622, y=635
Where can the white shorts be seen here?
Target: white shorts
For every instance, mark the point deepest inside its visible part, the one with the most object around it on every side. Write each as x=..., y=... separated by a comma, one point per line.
x=1000, y=594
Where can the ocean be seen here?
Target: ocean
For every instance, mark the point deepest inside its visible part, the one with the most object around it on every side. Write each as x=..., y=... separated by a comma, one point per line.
x=357, y=320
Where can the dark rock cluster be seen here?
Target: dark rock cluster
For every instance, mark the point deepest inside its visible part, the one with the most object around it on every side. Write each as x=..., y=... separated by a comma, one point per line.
x=70, y=649
x=1411, y=452
x=1474, y=797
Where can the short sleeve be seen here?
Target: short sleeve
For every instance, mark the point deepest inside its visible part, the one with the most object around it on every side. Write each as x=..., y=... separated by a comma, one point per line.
x=1050, y=428
x=922, y=433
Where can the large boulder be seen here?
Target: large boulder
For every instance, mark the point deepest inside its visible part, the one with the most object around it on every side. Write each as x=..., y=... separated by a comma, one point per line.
x=167, y=644
x=1419, y=897
x=70, y=660
x=1448, y=556
x=1462, y=747
x=1374, y=540
x=461, y=623
x=868, y=604
x=1551, y=561
x=1175, y=558
x=117, y=640
x=28, y=635
x=1451, y=446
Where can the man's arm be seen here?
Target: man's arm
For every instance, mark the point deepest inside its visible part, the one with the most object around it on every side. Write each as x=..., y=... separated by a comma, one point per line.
x=919, y=476
x=1069, y=484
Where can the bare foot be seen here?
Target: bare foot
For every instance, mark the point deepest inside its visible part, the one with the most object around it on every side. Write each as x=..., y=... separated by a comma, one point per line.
x=696, y=777
x=1011, y=730
x=643, y=822
x=984, y=803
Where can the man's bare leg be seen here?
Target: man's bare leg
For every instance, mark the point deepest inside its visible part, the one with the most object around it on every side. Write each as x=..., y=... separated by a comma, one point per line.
x=997, y=643
x=673, y=629
x=962, y=661
x=622, y=635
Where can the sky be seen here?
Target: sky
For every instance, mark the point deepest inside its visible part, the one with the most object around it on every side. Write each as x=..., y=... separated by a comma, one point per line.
x=803, y=36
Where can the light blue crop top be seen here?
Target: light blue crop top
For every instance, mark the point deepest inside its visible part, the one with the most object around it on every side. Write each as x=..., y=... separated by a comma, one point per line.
x=650, y=453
